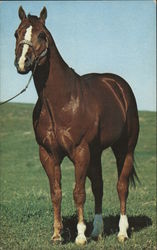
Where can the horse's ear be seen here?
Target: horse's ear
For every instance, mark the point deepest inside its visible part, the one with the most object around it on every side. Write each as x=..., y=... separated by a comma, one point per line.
x=22, y=14
x=43, y=15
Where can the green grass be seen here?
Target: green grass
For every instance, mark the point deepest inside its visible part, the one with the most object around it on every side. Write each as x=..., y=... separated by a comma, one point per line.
x=26, y=212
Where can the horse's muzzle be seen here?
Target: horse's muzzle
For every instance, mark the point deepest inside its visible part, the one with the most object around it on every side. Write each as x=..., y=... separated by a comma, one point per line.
x=26, y=67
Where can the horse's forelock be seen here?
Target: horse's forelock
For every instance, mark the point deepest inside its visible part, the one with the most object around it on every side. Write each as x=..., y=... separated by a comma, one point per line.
x=32, y=19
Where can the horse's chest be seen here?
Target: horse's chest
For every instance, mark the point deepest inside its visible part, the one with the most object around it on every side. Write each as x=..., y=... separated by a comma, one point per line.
x=44, y=130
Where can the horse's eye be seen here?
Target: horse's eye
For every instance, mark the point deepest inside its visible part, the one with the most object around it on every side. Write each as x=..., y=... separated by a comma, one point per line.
x=42, y=36
x=16, y=34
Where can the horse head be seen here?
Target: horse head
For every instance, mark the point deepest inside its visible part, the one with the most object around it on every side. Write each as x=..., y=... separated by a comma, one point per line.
x=31, y=41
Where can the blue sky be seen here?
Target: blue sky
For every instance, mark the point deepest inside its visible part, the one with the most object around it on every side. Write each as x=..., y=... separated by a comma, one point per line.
x=92, y=36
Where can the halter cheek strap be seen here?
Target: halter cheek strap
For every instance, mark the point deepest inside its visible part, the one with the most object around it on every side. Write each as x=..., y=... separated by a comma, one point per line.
x=43, y=54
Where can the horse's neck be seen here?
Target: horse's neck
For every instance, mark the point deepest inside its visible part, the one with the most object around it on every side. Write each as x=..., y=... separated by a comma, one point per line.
x=54, y=79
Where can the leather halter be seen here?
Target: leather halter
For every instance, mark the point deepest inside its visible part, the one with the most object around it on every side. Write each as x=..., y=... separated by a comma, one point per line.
x=43, y=53
x=37, y=59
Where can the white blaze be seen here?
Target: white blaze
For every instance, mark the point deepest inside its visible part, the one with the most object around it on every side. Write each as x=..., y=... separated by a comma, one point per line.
x=28, y=37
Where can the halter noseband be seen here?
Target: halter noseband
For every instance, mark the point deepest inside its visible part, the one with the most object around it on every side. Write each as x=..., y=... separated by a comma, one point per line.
x=43, y=53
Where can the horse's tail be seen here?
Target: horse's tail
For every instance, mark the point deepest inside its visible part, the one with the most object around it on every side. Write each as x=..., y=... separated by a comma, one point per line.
x=133, y=176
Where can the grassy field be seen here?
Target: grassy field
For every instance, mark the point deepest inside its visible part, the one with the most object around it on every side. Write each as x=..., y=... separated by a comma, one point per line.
x=26, y=212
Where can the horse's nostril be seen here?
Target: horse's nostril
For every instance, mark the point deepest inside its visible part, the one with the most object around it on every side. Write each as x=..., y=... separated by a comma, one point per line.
x=27, y=61
x=16, y=62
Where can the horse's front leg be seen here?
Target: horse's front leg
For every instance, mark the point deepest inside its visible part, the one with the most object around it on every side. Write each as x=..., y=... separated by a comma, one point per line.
x=81, y=160
x=53, y=172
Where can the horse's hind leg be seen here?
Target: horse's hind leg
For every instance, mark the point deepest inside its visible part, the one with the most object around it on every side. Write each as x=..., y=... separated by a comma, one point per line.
x=124, y=153
x=124, y=165
x=81, y=161
x=95, y=176
x=124, y=158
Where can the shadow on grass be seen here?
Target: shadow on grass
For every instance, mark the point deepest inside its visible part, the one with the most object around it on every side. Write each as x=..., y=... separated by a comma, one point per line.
x=136, y=223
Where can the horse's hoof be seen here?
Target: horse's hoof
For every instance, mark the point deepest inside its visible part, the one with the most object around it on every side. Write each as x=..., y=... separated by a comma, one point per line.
x=56, y=240
x=122, y=238
x=81, y=240
x=96, y=237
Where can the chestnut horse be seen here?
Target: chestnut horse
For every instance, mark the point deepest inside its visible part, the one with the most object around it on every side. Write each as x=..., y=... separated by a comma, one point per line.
x=78, y=117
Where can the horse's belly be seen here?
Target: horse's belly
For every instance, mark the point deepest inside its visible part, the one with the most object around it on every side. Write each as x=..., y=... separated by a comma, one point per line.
x=108, y=138
x=111, y=130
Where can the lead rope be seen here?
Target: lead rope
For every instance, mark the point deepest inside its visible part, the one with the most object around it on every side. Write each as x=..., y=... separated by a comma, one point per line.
x=23, y=90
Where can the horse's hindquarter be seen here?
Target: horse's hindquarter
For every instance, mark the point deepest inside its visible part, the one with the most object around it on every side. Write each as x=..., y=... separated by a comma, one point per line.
x=108, y=101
